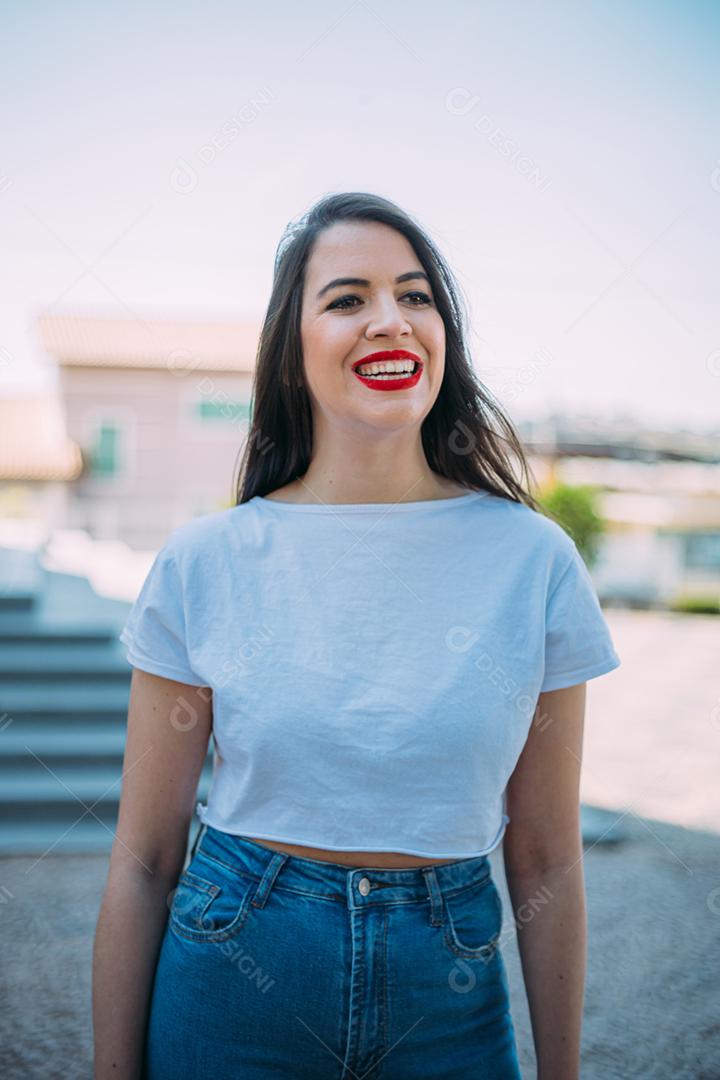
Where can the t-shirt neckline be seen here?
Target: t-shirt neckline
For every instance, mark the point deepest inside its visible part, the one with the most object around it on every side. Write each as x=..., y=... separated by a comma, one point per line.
x=355, y=508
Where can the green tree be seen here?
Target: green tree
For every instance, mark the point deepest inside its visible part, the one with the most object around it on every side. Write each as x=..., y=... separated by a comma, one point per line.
x=574, y=507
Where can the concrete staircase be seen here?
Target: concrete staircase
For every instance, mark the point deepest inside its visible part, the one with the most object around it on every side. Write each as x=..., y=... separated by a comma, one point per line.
x=64, y=692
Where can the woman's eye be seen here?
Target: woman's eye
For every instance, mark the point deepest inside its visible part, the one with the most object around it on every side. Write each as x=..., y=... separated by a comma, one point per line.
x=341, y=302
x=341, y=305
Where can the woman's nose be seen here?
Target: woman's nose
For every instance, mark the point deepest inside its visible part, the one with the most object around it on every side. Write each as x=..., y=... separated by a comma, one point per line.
x=388, y=319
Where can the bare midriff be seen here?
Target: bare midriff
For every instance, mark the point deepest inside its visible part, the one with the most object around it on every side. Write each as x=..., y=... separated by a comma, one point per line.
x=385, y=860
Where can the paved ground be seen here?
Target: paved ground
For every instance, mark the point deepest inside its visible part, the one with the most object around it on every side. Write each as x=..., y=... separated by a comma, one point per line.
x=652, y=1001
x=652, y=734
x=652, y=1006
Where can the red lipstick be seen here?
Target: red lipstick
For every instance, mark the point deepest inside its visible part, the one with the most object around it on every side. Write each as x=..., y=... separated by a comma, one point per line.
x=401, y=382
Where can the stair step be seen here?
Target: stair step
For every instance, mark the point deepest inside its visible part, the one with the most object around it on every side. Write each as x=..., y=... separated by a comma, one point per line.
x=50, y=740
x=28, y=627
x=31, y=783
x=95, y=720
x=82, y=745
x=33, y=786
x=20, y=580
x=18, y=603
x=54, y=697
x=601, y=826
x=84, y=837
x=63, y=659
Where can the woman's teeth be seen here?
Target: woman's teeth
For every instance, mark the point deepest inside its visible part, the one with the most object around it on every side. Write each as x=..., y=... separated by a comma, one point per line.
x=386, y=371
x=400, y=375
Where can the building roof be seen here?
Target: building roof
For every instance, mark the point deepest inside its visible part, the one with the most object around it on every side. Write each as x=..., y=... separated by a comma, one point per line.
x=619, y=438
x=34, y=444
x=660, y=477
x=174, y=345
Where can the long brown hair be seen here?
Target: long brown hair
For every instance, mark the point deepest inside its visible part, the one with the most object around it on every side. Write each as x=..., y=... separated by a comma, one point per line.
x=458, y=438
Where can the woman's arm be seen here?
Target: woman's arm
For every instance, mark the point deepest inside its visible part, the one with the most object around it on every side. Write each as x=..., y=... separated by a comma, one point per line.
x=169, y=725
x=543, y=859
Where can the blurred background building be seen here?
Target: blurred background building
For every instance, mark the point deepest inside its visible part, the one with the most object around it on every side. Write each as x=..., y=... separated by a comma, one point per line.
x=158, y=410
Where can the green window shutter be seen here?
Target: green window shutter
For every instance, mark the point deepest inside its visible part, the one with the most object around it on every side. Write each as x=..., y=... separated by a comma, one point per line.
x=702, y=550
x=223, y=410
x=104, y=451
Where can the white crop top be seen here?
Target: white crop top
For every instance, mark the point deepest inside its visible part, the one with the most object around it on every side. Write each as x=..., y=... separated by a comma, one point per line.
x=374, y=667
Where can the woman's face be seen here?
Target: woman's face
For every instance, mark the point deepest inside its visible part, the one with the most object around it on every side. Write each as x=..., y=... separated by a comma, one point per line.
x=349, y=322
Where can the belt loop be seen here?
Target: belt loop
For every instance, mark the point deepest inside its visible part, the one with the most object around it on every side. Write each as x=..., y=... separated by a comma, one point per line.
x=198, y=835
x=436, y=901
x=267, y=881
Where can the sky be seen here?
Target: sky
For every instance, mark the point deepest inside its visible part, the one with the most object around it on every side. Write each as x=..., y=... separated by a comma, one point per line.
x=565, y=157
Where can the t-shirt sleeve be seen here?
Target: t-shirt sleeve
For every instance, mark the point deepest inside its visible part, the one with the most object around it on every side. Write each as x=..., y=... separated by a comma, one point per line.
x=154, y=631
x=578, y=645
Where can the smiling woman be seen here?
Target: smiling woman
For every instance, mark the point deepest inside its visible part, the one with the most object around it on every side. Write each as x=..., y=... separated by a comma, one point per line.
x=355, y=277
x=375, y=743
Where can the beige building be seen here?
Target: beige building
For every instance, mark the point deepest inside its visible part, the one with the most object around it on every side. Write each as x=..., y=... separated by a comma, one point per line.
x=662, y=522
x=160, y=410
x=38, y=462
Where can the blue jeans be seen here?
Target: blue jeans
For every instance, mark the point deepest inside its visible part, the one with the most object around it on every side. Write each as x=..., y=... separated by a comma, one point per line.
x=277, y=966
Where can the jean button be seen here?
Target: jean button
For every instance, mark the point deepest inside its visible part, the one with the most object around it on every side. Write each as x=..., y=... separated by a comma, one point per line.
x=364, y=886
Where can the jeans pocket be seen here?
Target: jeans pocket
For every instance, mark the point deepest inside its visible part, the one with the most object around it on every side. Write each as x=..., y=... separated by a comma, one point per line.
x=473, y=920
x=210, y=902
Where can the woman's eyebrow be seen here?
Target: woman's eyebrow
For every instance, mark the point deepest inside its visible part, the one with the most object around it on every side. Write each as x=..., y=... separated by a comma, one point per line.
x=412, y=274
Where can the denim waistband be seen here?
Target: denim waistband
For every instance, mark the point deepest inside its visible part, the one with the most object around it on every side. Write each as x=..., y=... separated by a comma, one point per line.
x=360, y=885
